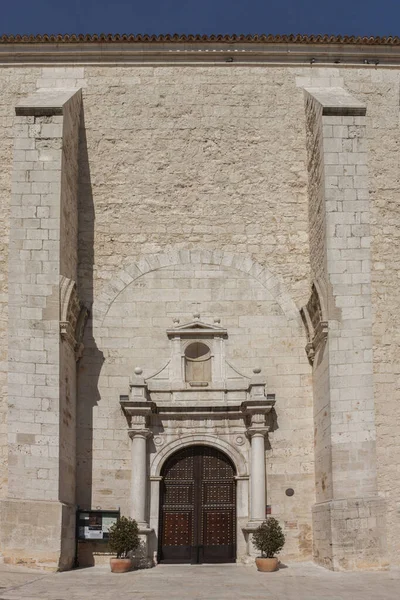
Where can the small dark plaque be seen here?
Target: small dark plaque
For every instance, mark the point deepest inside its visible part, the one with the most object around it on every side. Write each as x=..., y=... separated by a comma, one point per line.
x=289, y=492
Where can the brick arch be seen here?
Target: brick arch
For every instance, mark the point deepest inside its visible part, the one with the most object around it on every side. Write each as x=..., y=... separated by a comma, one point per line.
x=153, y=262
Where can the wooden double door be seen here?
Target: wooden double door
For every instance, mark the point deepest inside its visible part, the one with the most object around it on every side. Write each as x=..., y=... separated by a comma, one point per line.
x=198, y=508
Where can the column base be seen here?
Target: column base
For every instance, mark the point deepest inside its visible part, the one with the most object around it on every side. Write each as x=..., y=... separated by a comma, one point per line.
x=141, y=558
x=350, y=534
x=37, y=534
x=252, y=525
x=248, y=530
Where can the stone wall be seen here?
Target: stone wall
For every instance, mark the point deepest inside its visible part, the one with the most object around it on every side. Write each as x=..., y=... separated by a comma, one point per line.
x=263, y=330
x=169, y=156
x=380, y=90
x=341, y=309
x=318, y=253
x=14, y=83
x=44, y=185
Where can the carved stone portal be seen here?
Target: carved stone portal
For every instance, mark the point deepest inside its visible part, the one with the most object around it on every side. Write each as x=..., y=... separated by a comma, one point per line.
x=198, y=390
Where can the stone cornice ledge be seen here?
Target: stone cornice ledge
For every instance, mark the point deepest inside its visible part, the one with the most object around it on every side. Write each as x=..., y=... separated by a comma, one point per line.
x=46, y=102
x=365, y=55
x=336, y=101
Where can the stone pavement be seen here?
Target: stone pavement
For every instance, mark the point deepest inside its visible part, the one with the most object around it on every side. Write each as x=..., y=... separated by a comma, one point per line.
x=299, y=581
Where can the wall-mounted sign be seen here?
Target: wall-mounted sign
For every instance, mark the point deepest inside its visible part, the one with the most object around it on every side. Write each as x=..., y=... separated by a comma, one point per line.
x=95, y=524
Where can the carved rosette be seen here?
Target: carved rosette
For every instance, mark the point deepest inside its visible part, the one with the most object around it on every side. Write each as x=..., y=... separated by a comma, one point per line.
x=73, y=316
x=315, y=321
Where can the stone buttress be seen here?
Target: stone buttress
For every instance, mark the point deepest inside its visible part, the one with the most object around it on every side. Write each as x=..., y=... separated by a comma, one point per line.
x=348, y=517
x=45, y=321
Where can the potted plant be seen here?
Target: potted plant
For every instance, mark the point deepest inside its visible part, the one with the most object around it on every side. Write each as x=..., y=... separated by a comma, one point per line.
x=123, y=538
x=269, y=539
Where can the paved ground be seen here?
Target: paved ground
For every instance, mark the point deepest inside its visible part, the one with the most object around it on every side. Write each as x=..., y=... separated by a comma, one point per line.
x=228, y=582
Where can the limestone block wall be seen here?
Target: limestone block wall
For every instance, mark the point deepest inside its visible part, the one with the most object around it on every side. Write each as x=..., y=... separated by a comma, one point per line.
x=36, y=415
x=168, y=156
x=346, y=308
x=68, y=268
x=34, y=351
x=379, y=90
x=14, y=83
x=318, y=260
x=131, y=317
x=185, y=160
x=171, y=176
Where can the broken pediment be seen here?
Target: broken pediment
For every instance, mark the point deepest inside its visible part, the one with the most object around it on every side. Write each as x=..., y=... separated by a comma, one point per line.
x=197, y=369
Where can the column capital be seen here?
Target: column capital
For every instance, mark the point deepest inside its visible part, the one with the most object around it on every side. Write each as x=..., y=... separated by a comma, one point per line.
x=257, y=431
x=143, y=433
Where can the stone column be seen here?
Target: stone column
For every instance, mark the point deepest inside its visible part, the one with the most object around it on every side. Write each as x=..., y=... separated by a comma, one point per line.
x=257, y=510
x=256, y=409
x=139, y=475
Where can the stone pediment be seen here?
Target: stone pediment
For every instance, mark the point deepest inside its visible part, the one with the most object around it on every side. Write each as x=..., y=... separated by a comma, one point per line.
x=197, y=328
x=198, y=372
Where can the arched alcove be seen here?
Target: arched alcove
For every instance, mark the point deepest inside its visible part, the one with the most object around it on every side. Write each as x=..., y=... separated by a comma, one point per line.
x=197, y=363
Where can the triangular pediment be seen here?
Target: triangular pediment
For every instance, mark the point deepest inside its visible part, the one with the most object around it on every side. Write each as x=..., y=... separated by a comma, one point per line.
x=196, y=327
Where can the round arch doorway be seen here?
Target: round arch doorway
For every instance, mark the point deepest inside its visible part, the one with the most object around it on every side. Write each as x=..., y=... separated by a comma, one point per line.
x=197, y=507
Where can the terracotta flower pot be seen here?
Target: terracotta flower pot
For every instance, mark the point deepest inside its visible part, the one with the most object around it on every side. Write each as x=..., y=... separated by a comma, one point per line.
x=267, y=565
x=120, y=565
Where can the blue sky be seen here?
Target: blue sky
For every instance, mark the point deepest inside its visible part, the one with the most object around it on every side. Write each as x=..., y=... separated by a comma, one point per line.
x=353, y=17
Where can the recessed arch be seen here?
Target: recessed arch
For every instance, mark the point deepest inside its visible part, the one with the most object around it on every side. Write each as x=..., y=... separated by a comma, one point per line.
x=169, y=449
x=197, y=351
x=153, y=262
x=198, y=506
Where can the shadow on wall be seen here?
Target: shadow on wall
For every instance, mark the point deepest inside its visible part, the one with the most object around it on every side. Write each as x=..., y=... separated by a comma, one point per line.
x=272, y=422
x=90, y=364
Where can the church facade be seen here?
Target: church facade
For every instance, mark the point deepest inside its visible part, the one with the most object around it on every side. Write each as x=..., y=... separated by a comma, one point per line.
x=199, y=296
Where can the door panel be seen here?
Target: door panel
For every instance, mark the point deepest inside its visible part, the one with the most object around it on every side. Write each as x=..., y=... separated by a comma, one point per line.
x=178, y=531
x=198, y=507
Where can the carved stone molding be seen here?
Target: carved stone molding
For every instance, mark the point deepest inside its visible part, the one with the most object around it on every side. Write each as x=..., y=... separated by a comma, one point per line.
x=315, y=321
x=73, y=316
x=144, y=433
x=166, y=399
x=252, y=431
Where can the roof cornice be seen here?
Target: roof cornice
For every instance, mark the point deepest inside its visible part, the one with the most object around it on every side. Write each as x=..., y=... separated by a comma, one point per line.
x=199, y=49
x=176, y=38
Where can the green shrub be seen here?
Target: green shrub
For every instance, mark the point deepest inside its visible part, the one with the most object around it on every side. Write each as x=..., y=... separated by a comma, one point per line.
x=124, y=537
x=269, y=538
